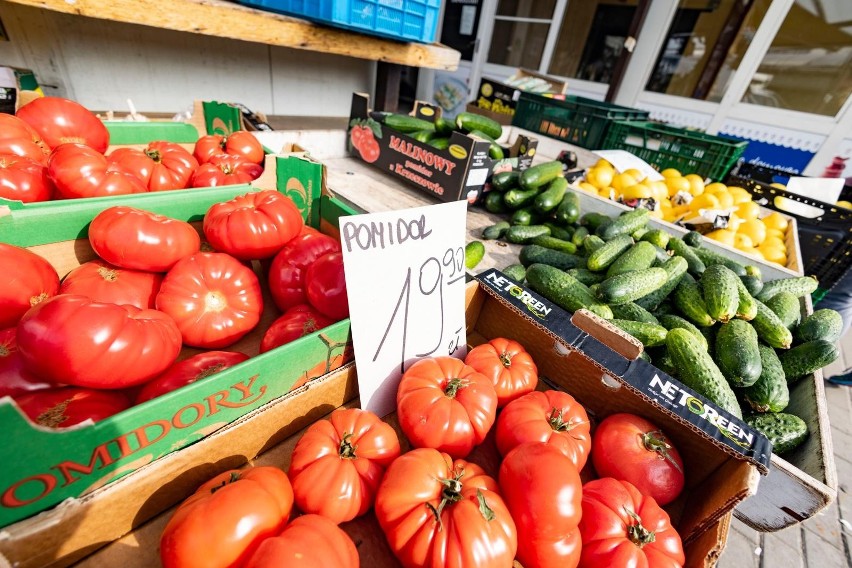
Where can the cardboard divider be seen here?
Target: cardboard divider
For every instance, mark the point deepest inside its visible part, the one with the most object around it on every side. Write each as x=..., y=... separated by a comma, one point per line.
x=625, y=345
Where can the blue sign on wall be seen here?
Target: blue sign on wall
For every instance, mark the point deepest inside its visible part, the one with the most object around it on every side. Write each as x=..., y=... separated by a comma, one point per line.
x=768, y=155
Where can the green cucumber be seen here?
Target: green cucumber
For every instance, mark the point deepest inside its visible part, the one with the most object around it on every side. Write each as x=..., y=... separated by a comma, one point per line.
x=564, y=233
x=592, y=243
x=690, y=303
x=518, y=198
x=770, y=393
x=664, y=308
x=495, y=151
x=633, y=312
x=423, y=135
x=579, y=234
x=648, y=334
x=593, y=220
x=601, y=258
x=553, y=197
x=439, y=143
x=638, y=257
x=494, y=202
x=586, y=276
x=737, y=354
x=551, y=242
x=754, y=271
x=693, y=239
x=568, y=210
x=674, y=321
x=786, y=306
x=626, y=223
x=444, y=126
x=535, y=254
x=770, y=328
x=797, y=285
x=698, y=371
x=753, y=284
x=710, y=258
x=524, y=234
x=822, y=324
x=516, y=272
x=720, y=292
x=504, y=181
x=747, y=307
x=807, y=358
x=662, y=256
x=564, y=290
x=473, y=253
x=407, y=124
x=525, y=216
x=469, y=122
x=540, y=175
x=657, y=237
x=646, y=357
x=786, y=431
x=675, y=267
x=663, y=361
x=496, y=230
x=639, y=233
x=709, y=334
x=680, y=248
x=631, y=286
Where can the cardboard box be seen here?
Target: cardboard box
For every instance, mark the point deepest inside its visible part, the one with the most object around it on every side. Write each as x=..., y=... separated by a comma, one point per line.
x=459, y=172
x=500, y=99
x=717, y=477
x=44, y=467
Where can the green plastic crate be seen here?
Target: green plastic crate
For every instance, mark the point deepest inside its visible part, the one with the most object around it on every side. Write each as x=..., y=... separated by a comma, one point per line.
x=665, y=146
x=576, y=120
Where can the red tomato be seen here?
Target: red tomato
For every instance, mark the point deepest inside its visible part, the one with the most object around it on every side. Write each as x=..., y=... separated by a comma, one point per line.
x=140, y=240
x=325, y=286
x=622, y=527
x=296, y=322
x=444, y=514
x=253, y=226
x=188, y=371
x=67, y=406
x=338, y=463
x=542, y=490
x=79, y=171
x=551, y=416
x=286, y=274
x=23, y=179
x=226, y=519
x=444, y=404
x=628, y=447
x=508, y=365
x=23, y=148
x=25, y=280
x=14, y=378
x=161, y=166
x=59, y=121
x=225, y=169
x=73, y=340
x=103, y=282
x=213, y=297
x=240, y=143
x=310, y=541
x=18, y=137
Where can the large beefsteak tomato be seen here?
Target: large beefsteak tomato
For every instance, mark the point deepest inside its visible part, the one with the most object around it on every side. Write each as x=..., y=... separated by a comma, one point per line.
x=60, y=121
x=225, y=169
x=67, y=406
x=19, y=138
x=23, y=179
x=188, y=371
x=550, y=416
x=25, y=280
x=103, y=282
x=226, y=519
x=442, y=513
x=79, y=171
x=254, y=225
x=444, y=404
x=286, y=275
x=542, y=489
x=214, y=298
x=73, y=340
x=310, y=541
x=338, y=463
x=14, y=378
x=140, y=240
x=628, y=447
x=325, y=286
x=623, y=527
x=161, y=166
x=240, y=143
x=296, y=322
x=508, y=365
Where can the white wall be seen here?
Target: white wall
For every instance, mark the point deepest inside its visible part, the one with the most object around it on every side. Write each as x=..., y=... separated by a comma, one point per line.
x=101, y=64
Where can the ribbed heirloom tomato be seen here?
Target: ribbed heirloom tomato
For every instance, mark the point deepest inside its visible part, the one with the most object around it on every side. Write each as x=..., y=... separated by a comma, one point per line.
x=286, y=274
x=79, y=171
x=66, y=406
x=622, y=527
x=23, y=179
x=25, y=280
x=325, y=286
x=253, y=226
x=240, y=143
x=190, y=370
x=296, y=322
x=225, y=169
x=338, y=463
x=226, y=519
x=444, y=404
x=161, y=166
x=508, y=365
x=553, y=417
x=441, y=513
x=103, y=282
x=141, y=240
x=59, y=121
x=14, y=378
x=310, y=541
x=19, y=138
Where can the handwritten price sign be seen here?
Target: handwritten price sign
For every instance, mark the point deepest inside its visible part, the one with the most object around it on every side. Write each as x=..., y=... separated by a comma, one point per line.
x=405, y=277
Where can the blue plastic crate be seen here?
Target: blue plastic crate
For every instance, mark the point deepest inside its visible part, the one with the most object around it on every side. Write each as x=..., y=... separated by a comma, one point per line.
x=407, y=20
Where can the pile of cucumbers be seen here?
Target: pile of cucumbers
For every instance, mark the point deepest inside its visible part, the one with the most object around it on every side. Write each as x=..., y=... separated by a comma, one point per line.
x=437, y=133
x=703, y=318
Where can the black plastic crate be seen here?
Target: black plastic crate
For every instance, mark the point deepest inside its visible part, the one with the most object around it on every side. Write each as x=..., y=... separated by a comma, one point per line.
x=767, y=174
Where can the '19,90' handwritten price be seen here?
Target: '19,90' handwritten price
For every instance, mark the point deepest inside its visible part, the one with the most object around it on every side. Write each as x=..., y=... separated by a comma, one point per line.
x=433, y=276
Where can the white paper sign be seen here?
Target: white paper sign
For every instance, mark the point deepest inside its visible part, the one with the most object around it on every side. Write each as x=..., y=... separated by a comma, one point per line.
x=405, y=278
x=623, y=160
x=826, y=190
